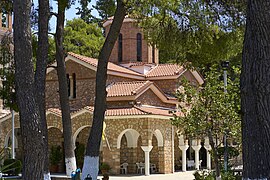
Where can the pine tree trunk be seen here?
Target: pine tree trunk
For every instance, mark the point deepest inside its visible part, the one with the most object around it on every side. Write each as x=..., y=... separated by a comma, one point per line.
x=91, y=158
x=31, y=129
x=40, y=75
x=215, y=154
x=255, y=99
x=70, y=160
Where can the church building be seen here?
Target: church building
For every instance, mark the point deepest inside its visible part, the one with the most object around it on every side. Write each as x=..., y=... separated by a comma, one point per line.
x=138, y=136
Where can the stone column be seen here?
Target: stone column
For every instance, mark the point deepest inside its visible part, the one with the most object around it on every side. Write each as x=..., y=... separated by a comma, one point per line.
x=208, y=156
x=146, y=150
x=1, y=26
x=196, y=146
x=9, y=21
x=208, y=159
x=184, y=156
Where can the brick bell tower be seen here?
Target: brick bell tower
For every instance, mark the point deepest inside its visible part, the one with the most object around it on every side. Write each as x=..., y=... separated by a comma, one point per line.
x=131, y=46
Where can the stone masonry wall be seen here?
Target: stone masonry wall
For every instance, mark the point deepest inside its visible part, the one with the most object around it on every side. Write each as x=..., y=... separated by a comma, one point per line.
x=145, y=127
x=85, y=86
x=168, y=86
x=150, y=98
x=188, y=75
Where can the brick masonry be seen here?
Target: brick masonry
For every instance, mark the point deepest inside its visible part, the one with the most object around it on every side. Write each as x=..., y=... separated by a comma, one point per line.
x=129, y=32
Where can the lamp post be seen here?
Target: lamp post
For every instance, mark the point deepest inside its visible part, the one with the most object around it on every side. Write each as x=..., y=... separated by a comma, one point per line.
x=225, y=65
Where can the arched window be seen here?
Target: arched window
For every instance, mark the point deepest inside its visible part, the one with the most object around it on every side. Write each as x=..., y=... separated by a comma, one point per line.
x=68, y=85
x=120, y=48
x=71, y=82
x=153, y=54
x=4, y=20
x=139, y=47
x=74, y=85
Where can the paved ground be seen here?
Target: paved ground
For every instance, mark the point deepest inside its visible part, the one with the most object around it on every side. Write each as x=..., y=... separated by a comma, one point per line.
x=176, y=176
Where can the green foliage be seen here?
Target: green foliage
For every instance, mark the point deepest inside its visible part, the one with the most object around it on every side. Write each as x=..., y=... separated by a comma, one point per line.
x=12, y=165
x=208, y=111
x=105, y=8
x=201, y=46
x=204, y=175
x=82, y=38
x=65, y=4
x=84, y=11
x=55, y=155
x=15, y=166
x=79, y=153
x=6, y=6
x=232, y=152
x=209, y=108
x=104, y=166
x=200, y=32
x=51, y=53
x=7, y=72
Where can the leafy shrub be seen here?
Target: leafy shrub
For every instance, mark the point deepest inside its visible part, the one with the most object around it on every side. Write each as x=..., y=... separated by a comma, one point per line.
x=55, y=155
x=104, y=166
x=14, y=166
x=204, y=175
x=210, y=175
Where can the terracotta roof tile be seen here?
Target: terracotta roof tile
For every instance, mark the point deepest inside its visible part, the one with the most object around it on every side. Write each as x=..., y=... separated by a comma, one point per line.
x=125, y=112
x=111, y=66
x=89, y=108
x=165, y=70
x=55, y=111
x=136, y=110
x=126, y=88
x=159, y=70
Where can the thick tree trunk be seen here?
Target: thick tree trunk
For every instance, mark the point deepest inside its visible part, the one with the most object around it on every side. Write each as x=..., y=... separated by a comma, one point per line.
x=215, y=154
x=31, y=129
x=91, y=158
x=255, y=89
x=70, y=160
x=40, y=75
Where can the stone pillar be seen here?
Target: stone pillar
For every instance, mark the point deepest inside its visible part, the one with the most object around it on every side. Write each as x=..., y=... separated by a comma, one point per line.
x=1, y=24
x=208, y=156
x=112, y=157
x=196, y=146
x=161, y=160
x=146, y=150
x=184, y=156
x=9, y=21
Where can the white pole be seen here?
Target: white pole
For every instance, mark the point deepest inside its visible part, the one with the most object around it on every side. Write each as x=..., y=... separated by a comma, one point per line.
x=173, y=150
x=225, y=134
x=13, y=136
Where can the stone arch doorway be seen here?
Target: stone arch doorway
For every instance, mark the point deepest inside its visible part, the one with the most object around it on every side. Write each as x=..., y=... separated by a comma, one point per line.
x=129, y=142
x=80, y=139
x=177, y=154
x=18, y=143
x=56, y=140
x=156, y=152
